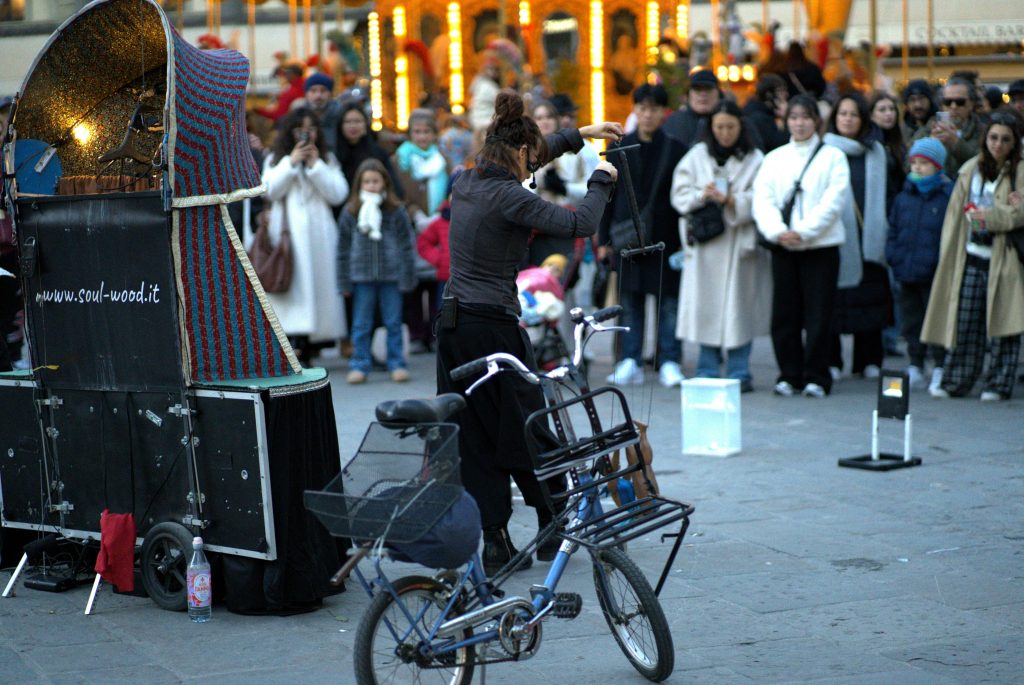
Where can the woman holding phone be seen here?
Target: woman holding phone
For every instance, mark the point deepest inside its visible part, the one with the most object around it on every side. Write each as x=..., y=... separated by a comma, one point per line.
x=304, y=181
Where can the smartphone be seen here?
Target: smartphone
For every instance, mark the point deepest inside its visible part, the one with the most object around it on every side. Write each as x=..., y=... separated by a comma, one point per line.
x=304, y=137
x=943, y=117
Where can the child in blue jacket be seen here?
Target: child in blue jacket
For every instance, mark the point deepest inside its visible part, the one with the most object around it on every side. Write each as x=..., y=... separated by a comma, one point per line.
x=912, y=249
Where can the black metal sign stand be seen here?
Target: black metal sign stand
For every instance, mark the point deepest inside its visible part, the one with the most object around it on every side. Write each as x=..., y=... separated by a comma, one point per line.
x=893, y=403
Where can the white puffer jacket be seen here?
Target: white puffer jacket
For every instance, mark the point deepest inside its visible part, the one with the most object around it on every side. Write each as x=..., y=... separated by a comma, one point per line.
x=817, y=214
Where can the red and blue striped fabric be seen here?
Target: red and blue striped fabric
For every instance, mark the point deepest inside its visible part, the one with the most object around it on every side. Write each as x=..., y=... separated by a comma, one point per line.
x=211, y=153
x=227, y=333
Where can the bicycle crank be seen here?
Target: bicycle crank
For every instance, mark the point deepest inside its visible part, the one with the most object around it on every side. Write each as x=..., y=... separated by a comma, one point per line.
x=517, y=637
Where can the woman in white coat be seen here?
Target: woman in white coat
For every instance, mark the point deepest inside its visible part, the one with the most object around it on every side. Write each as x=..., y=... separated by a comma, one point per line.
x=304, y=181
x=805, y=254
x=725, y=293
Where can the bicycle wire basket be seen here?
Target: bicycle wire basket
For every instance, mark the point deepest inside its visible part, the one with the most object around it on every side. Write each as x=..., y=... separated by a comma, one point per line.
x=397, y=486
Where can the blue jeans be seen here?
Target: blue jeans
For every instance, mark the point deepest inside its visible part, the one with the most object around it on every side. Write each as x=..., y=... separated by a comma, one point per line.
x=669, y=348
x=737, y=364
x=365, y=297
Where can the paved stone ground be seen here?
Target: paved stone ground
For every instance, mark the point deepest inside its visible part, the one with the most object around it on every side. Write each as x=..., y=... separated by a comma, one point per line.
x=794, y=570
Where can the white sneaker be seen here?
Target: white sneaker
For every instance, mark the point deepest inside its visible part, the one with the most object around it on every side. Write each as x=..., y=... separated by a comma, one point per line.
x=836, y=372
x=627, y=372
x=935, y=387
x=872, y=371
x=990, y=396
x=916, y=377
x=784, y=388
x=670, y=374
x=814, y=390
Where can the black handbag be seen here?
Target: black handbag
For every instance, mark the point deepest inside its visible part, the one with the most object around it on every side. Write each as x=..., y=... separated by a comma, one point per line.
x=787, y=207
x=704, y=223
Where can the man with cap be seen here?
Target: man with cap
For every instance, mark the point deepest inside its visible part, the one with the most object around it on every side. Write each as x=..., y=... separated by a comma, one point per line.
x=918, y=108
x=958, y=126
x=319, y=89
x=651, y=166
x=1016, y=93
x=688, y=123
x=912, y=250
x=566, y=110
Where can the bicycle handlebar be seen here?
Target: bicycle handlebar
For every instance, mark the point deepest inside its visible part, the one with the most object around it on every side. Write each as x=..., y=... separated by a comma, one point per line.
x=473, y=368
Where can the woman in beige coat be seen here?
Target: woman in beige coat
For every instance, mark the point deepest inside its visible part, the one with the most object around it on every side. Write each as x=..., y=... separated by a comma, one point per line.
x=977, y=298
x=725, y=295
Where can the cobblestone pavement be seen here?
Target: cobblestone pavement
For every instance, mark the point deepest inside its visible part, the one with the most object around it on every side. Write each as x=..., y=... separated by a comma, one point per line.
x=794, y=570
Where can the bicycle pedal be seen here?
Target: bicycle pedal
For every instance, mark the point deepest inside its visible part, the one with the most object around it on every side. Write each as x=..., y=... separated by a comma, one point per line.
x=567, y=605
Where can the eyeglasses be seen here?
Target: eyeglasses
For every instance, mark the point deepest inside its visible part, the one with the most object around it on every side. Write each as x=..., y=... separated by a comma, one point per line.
x=959, y=102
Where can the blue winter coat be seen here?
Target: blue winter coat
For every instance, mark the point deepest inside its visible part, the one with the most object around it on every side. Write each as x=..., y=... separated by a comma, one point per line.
x=390, y=259
x=915, y=230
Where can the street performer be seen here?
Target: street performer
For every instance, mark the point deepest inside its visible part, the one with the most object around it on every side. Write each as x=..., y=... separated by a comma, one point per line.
x=492, y=216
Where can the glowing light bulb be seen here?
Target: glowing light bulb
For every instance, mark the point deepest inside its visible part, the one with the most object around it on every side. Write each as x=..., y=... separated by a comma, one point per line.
x=82, y=133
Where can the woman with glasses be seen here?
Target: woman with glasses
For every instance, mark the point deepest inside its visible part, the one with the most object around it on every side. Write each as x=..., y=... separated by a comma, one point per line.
x=304, y=181
x=492, y=217
x=977, y=298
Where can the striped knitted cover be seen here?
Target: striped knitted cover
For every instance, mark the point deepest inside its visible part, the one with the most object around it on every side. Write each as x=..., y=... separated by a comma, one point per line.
x=228, y=328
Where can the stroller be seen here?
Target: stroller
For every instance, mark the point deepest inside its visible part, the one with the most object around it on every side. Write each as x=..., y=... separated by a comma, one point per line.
x=542, y=300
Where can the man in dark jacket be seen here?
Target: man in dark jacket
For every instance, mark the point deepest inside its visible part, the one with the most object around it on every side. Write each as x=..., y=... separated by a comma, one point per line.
x=961, y=129
x=918, y=108
x=651, y=167
x=688, y=123
x=762, y=110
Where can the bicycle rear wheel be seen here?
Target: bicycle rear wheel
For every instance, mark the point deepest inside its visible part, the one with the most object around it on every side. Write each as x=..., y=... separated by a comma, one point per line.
x=634, y=614
x=387, y=644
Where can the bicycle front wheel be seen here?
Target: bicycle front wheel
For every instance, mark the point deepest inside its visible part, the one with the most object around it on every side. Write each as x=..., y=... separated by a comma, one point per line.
x=388, y=646
x=634, y=614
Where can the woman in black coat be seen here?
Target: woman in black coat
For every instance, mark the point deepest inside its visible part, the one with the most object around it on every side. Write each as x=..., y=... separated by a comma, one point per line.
x=492, y=217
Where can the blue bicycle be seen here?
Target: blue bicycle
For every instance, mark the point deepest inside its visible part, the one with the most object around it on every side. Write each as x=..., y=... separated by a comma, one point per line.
x=400, y=498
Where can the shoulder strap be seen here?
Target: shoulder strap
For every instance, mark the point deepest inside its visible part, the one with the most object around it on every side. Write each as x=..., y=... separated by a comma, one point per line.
x=809, y=160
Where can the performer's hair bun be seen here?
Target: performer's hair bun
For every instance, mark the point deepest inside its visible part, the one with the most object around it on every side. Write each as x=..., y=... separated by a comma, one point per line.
x=508, y=106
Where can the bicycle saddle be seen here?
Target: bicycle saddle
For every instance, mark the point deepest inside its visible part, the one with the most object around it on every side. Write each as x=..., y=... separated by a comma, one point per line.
x=408, y=412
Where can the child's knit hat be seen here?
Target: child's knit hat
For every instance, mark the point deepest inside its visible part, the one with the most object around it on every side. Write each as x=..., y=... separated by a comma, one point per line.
x=931, y=149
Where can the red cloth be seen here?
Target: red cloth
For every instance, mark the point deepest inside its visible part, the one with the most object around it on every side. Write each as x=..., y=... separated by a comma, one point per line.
x=116, y=560
x=432, y=245
x=293, y=92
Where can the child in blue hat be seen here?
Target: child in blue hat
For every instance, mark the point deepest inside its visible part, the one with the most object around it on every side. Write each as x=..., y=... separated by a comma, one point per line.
x=912, y=250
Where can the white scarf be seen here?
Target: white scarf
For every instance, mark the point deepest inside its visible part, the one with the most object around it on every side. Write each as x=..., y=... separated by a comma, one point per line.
x=370, y=217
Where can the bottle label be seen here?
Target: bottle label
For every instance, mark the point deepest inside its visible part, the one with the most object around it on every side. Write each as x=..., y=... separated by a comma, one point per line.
x=199, y=591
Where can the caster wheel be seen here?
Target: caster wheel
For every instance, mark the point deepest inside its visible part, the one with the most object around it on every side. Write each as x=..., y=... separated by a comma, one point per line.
x=166, y=551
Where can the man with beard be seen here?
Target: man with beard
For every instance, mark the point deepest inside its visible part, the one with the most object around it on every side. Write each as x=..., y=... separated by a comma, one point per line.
x=958, y=126
x=688, y=123
x=918, y=108
x=320, y=98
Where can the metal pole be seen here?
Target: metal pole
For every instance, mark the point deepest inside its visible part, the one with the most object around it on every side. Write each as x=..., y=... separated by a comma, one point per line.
x=764, y=15
x=796, y=21
x=874, y=435
x=252, y=36
x=319, y=27
x=905, y=65
x=181, y=16
x=872, y=60
x=907, y=431
x=931, y=40
x=293, y=37
x=307, y=22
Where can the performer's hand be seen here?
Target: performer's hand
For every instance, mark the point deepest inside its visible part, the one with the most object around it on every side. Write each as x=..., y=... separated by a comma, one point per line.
x=790, y=239
x=608, y=167
x=606, y=130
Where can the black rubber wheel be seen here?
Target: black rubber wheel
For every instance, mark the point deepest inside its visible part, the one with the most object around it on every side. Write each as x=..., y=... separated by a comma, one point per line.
x=634, y=614
x=380, y=659
x=166, y=551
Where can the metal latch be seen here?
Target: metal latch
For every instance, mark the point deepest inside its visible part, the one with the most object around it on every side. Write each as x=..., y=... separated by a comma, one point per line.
x=63, y=507
x=194, y=522
x=178, y=410
x=53, y=401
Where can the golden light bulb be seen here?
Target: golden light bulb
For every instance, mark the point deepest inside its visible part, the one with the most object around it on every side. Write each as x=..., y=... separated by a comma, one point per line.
x=82, y=133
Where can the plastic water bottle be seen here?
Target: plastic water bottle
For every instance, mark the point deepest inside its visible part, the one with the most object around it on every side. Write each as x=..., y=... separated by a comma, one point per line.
x=200, y=584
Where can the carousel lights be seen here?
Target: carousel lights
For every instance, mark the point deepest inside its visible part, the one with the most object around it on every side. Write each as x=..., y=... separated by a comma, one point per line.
x=455, y=83
x=524, y=13
x=376, y=96
x=401, y=71
x=653, y=31
x=734, y=73
x=748, y=73
x=683, y=21
x=722, y=72
x=597, y=63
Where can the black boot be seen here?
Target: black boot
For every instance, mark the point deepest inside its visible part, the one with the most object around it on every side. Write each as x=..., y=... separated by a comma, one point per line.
x=549, y=548
x=499, y=550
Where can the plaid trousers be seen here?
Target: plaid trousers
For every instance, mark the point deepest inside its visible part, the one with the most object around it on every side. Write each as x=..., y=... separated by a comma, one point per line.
x=964, y=362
